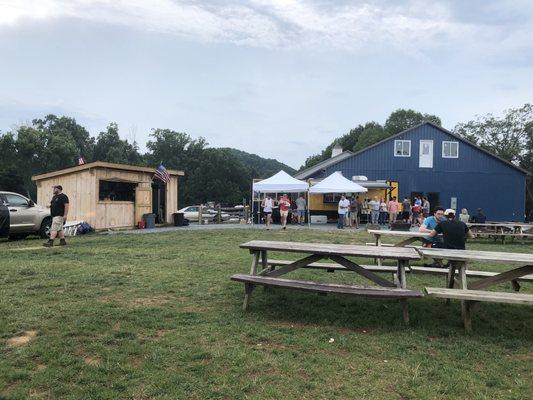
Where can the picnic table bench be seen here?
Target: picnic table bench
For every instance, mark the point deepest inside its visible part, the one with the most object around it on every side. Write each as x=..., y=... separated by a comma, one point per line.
x=470, y=294
x=338, y=253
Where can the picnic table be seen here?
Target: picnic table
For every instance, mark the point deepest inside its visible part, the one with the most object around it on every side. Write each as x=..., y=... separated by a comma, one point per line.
x=408, y=237
x=501, y=230
x=268, y=275
x=520, y=266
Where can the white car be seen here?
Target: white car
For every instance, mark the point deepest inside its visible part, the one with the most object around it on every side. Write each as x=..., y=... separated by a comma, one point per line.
x=191, y=213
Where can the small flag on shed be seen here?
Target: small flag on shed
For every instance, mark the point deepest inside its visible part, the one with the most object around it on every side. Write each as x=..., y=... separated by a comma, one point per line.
x=162, y=174
x=81, y=161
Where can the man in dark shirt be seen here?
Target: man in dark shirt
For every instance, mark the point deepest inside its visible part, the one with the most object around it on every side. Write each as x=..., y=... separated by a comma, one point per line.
x=59, y=206
x=454, y=232
x=479, y=217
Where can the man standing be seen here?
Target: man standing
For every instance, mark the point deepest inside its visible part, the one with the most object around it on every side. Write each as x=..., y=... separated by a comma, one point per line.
x=374, y=209
x=355, y=209
x=454, y=232
x=284, y=206
x=59, y=210
x=426, y=207
x=406, y=210
x=344, y=205
x=301, y=206
x=267, y=205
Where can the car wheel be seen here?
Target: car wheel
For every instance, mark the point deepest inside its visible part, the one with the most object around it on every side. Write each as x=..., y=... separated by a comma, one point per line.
x=44, y=231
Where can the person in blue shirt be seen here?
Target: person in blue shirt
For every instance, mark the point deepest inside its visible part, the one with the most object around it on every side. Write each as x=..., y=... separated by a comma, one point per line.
x=429, y=225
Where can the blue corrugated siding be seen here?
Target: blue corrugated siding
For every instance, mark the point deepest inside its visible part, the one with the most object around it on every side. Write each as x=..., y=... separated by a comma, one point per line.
x=475, y=178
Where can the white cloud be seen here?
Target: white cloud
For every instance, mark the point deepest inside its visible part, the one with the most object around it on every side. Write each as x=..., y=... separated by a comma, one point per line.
x=260, y=23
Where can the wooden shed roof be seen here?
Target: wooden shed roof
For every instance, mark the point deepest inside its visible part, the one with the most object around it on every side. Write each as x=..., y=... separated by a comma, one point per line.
x=102, y=164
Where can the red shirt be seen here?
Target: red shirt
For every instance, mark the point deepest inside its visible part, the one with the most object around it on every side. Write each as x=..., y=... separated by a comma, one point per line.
x=284, y=205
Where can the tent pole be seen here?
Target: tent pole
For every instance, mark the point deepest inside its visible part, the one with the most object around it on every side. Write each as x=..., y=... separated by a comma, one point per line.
x=308, y=211
x=252, y=204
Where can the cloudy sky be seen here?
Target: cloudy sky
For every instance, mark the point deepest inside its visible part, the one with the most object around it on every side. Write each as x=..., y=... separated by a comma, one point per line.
x=277, y=78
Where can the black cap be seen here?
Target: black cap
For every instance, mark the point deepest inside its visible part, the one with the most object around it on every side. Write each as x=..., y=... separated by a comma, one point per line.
x=59, y=187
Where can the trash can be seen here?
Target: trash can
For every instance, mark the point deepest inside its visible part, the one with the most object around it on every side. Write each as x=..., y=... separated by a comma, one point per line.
x=179, y=219
x=149, y=221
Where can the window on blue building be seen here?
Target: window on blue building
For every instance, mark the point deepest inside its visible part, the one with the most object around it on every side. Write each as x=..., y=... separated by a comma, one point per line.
x=402, y=148
x=450, y=149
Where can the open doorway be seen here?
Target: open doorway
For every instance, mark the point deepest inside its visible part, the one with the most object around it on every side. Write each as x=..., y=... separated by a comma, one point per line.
x=159, y=201
x=434, y=200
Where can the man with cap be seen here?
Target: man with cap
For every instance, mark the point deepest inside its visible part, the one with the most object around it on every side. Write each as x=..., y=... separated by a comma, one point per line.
x=59, y=210
x=454, y=232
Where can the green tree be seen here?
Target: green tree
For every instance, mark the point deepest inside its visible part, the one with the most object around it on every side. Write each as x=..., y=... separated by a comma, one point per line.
x=53, y=125
x=509, y=137
x=403, y=119
x=111, y=148
x=372, y=133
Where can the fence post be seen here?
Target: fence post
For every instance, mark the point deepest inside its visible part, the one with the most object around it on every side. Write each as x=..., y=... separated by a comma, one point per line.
x=219, y=216
x=200, y=213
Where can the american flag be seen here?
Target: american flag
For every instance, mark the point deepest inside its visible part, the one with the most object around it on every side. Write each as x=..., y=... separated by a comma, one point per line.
x=81, y=161
x=161, y=173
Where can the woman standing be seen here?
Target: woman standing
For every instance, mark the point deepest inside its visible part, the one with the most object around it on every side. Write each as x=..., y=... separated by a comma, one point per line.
x=383, y=212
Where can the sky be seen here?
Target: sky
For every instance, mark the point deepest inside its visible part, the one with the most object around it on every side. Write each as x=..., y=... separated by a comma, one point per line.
x=280, y=79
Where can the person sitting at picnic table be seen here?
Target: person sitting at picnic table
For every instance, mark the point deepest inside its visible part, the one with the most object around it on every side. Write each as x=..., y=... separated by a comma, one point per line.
x=464, y=217
x=344, y=205
x=429, y=224
x=479, y=217
x=374, y=210
x=454, y=232
x=284, y=206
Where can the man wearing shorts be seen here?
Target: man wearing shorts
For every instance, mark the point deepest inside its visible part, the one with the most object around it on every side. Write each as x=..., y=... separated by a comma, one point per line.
x=267, y=210
x=284, y=206
x=300, y=209
x=59, y=211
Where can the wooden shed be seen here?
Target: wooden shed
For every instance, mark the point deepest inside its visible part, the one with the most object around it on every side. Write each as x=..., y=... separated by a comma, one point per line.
x=108, y=195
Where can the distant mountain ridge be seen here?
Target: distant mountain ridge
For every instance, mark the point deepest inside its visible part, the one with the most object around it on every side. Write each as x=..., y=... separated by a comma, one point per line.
x=259, y=166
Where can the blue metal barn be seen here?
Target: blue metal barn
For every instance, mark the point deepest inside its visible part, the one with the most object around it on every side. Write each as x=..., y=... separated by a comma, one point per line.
x=430, y=160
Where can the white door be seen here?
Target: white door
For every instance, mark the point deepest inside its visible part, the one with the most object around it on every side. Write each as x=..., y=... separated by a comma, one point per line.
x=426, y=154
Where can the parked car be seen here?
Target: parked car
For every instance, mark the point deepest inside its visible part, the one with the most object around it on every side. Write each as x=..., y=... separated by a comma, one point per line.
x=26, y=217
x=210, y=214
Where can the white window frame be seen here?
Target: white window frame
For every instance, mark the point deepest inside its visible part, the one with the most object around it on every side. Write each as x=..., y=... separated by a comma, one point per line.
x=403, y=141
x=450, y=142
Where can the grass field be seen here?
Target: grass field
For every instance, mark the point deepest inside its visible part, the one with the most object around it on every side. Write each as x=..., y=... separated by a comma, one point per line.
x=156, y=317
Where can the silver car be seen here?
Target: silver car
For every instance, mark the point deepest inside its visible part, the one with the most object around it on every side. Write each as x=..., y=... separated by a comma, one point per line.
x=25, y=217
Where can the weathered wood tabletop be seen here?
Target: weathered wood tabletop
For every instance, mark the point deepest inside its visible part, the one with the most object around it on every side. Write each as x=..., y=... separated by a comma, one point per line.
x=269, y=275
x=400, y=253
x=471, y=293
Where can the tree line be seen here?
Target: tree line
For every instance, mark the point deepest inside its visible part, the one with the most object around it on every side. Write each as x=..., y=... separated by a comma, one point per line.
x=52, y=143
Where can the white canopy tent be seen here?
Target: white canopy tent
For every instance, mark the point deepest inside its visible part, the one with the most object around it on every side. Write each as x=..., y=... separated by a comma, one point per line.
x=281, y=182
x=336, y=183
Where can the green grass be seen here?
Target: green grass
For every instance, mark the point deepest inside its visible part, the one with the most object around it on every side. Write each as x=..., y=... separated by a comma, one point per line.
x=156, y=317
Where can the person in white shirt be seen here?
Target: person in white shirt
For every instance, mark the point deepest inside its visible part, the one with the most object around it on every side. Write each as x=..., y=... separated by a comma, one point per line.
x=267, y=205
x=344, y=206
x=374, y=205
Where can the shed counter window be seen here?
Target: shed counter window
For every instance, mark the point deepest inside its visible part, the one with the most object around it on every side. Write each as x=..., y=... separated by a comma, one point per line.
x=116, y=191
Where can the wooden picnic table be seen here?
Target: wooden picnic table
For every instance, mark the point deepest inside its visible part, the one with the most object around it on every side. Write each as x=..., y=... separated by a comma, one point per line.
x=407, y=236
x=469, y=294
x=501, y=230
x=338, y=253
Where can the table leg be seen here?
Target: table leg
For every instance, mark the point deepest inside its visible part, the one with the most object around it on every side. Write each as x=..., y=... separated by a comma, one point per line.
x=466, y=306
x=403, y=284
x=378, y=243
x=450, y=279
x=248, y=288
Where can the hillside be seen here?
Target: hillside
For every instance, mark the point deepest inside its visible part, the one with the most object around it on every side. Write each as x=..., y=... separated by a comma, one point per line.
x=261, y=167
